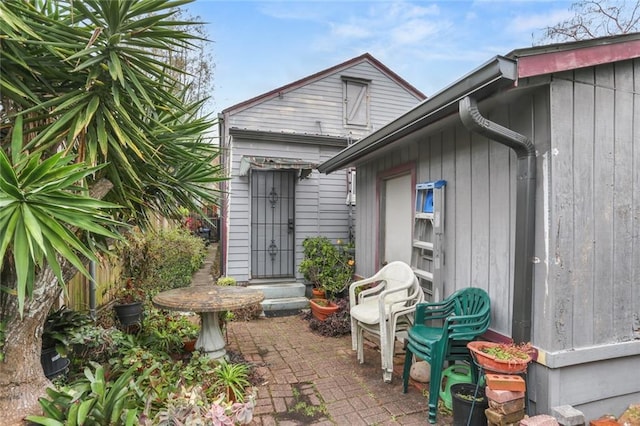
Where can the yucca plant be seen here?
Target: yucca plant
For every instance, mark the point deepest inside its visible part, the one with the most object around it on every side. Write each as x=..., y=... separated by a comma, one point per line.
x=95, y=133
x=233, y=379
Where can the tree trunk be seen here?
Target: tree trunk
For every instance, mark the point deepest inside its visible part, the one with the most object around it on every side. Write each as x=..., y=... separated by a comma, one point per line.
x=22, y=379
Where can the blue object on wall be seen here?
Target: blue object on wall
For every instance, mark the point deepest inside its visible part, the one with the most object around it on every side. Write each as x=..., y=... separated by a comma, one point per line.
x=424, y=195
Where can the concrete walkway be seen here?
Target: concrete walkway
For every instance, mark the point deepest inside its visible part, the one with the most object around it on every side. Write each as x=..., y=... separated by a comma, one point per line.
x=309, y=379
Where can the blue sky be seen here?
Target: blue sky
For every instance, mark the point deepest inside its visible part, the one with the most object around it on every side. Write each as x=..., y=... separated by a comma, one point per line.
x=261, y=45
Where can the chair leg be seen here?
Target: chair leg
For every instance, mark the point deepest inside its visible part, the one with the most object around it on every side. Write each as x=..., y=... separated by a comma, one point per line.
x=387, y=364
x=434, y=388
x=408, y=359
x=360, y=348
x=354, y=332
x=384, y=358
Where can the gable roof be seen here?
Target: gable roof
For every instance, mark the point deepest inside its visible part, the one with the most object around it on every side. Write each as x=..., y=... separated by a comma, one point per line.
x=499, y=73
x=366, y=57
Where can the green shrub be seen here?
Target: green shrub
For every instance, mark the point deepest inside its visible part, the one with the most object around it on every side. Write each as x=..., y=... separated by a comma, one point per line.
x=162, y=260
x=226, y=281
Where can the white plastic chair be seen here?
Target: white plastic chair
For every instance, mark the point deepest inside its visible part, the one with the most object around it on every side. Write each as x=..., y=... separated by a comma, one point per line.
x=384, y=310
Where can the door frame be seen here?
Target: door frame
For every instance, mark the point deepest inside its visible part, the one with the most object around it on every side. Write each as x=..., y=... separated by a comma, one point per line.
x=397, y=171
x=291, y=267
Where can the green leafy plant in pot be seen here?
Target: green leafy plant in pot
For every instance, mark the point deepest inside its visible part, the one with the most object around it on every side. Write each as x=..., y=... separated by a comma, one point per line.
x=57, y=333
x=326, y=266
x=128, y=306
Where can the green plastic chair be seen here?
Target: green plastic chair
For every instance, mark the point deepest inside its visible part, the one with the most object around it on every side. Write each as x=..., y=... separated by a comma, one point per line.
x=441, y=332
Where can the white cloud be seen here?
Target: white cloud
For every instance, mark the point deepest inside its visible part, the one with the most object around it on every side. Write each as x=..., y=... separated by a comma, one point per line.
x=535, y=22
x=350, y=31
x=414, y=31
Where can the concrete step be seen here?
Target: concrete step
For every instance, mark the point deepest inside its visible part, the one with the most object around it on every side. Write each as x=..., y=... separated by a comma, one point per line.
x=282, y=298
x=280, y=290
x=285, y=304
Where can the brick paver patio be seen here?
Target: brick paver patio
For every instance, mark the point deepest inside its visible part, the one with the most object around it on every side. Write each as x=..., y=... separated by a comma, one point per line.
x=311, y=379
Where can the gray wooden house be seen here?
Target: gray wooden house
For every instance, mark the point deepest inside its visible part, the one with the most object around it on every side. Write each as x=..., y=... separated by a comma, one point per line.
x=272, y=145
x=540, y=151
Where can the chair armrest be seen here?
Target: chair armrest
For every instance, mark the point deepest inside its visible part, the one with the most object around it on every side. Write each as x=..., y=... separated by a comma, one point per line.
x=353, y=300
x=430, y=311
x=468, y=326
x=382, y=303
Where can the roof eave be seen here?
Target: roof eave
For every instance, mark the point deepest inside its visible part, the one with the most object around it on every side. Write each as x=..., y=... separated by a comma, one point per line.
x=289, y=137
x=496, y=74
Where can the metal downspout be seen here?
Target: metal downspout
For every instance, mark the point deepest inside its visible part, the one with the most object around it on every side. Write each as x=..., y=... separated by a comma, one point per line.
x=92, y=289
x=222, y=217
x=525, y=212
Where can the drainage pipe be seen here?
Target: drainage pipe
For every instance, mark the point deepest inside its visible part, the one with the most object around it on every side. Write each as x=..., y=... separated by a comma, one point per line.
x=92, y=289
x=525, y=212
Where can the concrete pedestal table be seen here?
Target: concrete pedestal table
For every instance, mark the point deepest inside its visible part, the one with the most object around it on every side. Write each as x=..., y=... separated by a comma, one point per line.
x=207, y=301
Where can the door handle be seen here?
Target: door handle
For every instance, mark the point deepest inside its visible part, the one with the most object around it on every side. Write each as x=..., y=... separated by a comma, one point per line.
x=290, y=225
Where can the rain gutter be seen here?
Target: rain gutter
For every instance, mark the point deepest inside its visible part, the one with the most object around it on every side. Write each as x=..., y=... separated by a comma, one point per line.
x=496, y=74
x=525, y=211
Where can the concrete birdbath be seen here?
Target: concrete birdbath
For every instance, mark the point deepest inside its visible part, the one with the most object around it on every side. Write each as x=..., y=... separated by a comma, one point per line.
x=207, y=301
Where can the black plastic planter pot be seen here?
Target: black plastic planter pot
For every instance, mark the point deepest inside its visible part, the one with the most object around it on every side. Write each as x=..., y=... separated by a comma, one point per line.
x=129, y=314
x=53, y=363
x=468, y=405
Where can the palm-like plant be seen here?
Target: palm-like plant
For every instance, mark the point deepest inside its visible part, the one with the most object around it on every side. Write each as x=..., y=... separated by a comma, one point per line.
x=95, y=132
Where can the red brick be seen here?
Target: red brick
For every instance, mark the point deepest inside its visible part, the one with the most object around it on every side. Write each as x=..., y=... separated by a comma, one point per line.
x=506, y=382
x=540, y=420
x=502, y=395
x=503, y=419
x=507, y=407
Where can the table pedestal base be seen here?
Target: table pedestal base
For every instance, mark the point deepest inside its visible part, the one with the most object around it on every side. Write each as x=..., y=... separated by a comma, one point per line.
x=210, y=340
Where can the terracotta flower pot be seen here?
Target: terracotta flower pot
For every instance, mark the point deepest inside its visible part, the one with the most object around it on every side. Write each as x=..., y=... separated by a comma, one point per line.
x=189, y=345
x=494, y=364
x=318, y=293
x=321, y=308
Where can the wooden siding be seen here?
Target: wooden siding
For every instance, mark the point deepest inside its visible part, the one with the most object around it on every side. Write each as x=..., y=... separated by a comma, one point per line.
x=312, y=109
x=479, y=200
x=587, y=265
x=594, y=204
x=320, y=202
x=317, y=108
x=586, y=313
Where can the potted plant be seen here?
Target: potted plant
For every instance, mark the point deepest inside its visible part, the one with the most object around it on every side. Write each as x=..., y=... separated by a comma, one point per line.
x=327, y=267
x=128, y=306
x=508, y=358
x=56, y=339
x=186, y=329
x=232, y=379
x=468, y=404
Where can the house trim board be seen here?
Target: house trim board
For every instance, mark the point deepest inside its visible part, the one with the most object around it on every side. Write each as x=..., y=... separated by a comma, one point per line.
x=281, y=137
x=566, y=358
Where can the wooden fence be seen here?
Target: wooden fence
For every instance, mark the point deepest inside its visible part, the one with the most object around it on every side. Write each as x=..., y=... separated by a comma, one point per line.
x=108, y=272
x=78, y=294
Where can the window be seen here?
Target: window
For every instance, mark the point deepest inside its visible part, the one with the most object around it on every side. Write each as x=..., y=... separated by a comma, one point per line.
x=356, y=102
